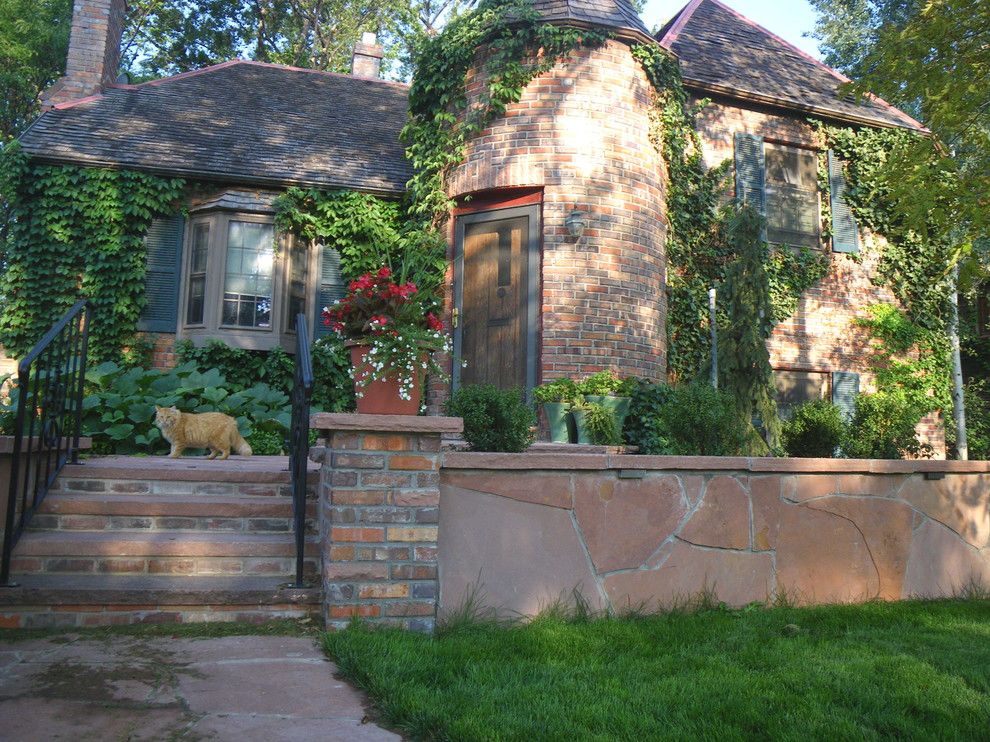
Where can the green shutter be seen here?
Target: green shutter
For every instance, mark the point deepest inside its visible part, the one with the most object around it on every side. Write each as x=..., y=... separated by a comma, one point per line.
x=845, y=388
x=845, y=231
x=161, y=284
x=751, y=171
x=329, y=288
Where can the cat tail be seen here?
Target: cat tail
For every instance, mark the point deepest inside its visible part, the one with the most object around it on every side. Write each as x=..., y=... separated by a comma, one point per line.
x=241, y=447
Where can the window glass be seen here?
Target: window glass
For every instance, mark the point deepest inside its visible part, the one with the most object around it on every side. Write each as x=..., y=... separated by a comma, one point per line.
x=298, y=273
x=197, y=273
x=798, y=387
x=792, y=196
x=247, y=297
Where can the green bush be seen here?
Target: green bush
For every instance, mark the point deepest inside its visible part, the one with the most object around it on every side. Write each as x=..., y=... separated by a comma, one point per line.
x=883, y=427
x=119, y=406
x=8, y=406
x=686, y=420
x=599, y=424
x=333, y=389
x=494, y=419
x=815, y=430
x=267, y=442
x=601, y=384
x=977, y=419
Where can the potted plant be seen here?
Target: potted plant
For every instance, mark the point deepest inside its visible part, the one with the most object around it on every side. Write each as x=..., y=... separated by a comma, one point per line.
x=596, y=424
x=392, y=335
x=556, y=398
x=611, y=392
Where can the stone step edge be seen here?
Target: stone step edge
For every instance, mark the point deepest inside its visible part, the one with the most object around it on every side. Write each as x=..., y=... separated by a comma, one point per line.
x=124, y=543
x=163, y=474
x=189, y=506
x=77, y=599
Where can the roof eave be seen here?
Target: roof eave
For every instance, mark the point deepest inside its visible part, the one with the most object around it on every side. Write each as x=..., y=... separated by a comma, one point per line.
x=212, y=175
x=768, y=100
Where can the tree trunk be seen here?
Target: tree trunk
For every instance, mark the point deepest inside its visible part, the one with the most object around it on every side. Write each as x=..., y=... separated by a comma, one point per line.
x=958, y=398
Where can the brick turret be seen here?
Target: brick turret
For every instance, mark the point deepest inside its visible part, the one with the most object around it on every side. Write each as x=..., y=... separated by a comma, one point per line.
x=94, y=51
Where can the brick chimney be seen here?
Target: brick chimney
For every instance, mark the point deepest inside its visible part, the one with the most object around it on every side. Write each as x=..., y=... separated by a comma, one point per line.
x=94, y=51
x=367, y=59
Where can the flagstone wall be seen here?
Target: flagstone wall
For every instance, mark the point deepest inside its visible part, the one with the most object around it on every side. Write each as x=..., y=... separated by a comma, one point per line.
x=522, y=531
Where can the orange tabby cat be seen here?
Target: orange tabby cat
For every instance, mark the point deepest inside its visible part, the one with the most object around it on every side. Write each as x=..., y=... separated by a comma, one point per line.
x=212, y=430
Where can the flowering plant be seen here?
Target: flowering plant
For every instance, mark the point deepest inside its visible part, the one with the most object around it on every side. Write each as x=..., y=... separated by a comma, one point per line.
x=397, y=323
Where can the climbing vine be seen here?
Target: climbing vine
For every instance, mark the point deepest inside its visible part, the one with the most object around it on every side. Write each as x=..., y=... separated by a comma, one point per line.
x=700, y=249
x=517, y=48
x=75, y=232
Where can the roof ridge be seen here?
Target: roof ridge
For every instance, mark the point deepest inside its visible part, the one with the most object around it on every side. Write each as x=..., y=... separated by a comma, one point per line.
x=676, y=24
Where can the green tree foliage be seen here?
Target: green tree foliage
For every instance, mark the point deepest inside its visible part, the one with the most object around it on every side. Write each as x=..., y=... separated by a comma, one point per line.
x=933, y=58
x=744, y=362
x=76, y=232
x=34, y=37
x=815, y=430
x=883, y=427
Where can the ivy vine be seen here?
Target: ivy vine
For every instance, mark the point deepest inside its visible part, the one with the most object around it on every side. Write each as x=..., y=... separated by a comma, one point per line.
x=700, y=248
x=515, y=48
x=76, y=232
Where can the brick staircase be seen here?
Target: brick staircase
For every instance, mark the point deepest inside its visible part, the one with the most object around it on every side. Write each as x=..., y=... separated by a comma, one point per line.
x=129, y=539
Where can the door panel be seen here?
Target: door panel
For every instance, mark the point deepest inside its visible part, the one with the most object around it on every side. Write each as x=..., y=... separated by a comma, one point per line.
x=496, y=298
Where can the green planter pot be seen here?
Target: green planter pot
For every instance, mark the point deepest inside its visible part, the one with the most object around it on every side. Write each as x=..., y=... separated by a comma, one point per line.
x=619, y=406
x=560, y=421
x=581, y=433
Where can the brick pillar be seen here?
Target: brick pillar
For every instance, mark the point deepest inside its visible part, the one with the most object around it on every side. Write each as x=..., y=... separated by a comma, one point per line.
x=380, y=516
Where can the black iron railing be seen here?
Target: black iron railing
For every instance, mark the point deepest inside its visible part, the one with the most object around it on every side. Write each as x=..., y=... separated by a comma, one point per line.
x=48, y=420
x=302, y=392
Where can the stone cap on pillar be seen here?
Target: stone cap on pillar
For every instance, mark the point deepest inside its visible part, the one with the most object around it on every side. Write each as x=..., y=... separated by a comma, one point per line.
x=389, y=423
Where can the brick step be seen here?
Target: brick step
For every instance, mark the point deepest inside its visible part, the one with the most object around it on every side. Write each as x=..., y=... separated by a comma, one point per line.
x=101, y=512
x=159, y=552
x=49, y=601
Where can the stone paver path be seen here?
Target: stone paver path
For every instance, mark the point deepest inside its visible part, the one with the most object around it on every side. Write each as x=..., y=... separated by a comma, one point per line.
x=130, y=688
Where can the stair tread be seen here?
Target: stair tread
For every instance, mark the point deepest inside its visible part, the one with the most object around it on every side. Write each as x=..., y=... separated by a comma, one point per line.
x=157, y=543
x=46, y=589
x=99, y=503
x=237, y=469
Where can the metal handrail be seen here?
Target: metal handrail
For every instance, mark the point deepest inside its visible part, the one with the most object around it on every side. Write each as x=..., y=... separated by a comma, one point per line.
x=50, y=381
x=302, y=393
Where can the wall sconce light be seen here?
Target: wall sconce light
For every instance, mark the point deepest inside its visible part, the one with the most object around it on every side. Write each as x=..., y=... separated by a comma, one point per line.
x=576, y=222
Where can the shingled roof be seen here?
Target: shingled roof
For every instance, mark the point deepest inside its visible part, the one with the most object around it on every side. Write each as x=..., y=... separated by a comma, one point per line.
x=618, y=15
x=239, y=121
x=723, y=52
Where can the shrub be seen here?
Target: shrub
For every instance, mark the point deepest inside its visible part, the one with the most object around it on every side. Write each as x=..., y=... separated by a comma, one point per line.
x=267, y=442
x=883, y=427
x=599, y=423
x=494, y=419
x=119, y=406
x=333, y=389
x=601, y=384
x=977, y=419
x=686, y=420
x=560, y=390
x=815, y=430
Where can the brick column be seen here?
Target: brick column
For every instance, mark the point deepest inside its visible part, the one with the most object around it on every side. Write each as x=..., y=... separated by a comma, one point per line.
x=379, y=517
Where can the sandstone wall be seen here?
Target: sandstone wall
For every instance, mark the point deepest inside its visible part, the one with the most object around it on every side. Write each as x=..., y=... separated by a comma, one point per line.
x=636, y=532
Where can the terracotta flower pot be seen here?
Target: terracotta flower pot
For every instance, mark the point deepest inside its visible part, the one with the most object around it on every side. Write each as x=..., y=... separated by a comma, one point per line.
x=381, y=396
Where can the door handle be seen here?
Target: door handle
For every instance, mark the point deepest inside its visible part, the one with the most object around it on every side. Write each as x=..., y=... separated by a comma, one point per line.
x=455, y=318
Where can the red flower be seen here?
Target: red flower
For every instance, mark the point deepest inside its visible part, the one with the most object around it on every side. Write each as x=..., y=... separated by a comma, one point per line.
x=384, y=272
x=433, y=322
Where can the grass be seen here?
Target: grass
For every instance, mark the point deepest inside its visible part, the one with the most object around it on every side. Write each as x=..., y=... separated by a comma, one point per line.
x=205, y=630
x=918, y=670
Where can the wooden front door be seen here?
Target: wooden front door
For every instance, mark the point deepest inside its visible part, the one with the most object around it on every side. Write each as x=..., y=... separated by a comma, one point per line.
x=496, y=280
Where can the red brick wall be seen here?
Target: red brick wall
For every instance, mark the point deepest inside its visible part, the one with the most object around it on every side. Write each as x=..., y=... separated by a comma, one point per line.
x=94, y=50
x=822, y=335
x=163, y=355
x=581, y=132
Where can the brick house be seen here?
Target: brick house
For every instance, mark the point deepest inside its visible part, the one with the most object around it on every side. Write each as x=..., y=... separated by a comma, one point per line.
x=557, y=250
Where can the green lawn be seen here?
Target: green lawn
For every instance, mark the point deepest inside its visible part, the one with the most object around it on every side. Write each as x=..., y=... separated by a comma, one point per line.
x=917, y=670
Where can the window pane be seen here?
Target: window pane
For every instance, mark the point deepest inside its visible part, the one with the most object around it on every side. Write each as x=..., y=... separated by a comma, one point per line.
x=194, y=306
x=201, y=244
x=248, y=280
x=792, y=196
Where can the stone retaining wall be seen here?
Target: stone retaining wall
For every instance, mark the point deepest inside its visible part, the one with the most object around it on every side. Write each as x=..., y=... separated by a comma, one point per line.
x=526, y=530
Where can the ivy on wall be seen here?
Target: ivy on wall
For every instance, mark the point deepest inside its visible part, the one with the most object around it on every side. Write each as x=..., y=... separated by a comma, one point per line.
x=76, y=232
x=516, y=47
x=700, y=249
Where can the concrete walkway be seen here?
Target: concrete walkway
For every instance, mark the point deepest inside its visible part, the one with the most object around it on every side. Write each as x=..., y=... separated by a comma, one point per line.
x=129, y=688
